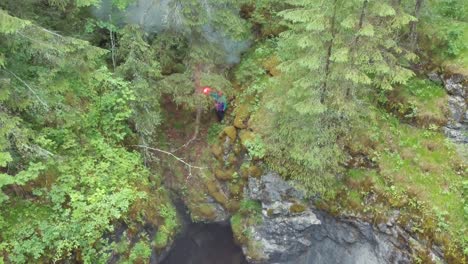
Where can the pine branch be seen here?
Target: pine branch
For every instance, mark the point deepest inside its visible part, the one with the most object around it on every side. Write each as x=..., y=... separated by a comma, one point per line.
x=29, y=87
x=38, y=41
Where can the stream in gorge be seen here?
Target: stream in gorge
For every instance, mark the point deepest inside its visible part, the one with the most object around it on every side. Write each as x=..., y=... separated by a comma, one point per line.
x=205, y=244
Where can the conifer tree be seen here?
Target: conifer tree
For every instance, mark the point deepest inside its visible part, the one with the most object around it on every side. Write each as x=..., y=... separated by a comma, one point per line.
x=138, y=64
x=65, y=176
x=333, y=54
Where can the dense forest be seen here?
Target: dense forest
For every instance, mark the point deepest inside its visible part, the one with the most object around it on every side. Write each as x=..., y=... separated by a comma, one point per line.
x=107, y=121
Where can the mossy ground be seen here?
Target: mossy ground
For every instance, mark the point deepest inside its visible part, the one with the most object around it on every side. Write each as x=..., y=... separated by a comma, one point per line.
x=416, y=171
x=421, y=102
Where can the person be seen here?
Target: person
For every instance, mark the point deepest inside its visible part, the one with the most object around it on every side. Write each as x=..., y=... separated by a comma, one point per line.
x=220, y=102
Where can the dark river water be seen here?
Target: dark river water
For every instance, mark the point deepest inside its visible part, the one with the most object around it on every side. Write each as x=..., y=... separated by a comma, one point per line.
x=205, y=244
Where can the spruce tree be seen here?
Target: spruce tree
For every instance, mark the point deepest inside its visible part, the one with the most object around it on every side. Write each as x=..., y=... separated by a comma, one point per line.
x=332, y=54
x=66, y=178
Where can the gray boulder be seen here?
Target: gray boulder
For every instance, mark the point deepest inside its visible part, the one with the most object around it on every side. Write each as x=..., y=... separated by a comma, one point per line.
x=457, y=127
x=455, y=85
x=282, y=234
x=457, y=108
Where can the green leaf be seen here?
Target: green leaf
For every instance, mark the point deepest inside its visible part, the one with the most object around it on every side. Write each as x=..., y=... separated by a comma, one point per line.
x=5, y=157
x=367, y=31
x=10, y=24
x=383, y=10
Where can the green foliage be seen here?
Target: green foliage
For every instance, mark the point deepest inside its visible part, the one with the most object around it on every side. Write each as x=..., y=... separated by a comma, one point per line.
x=454, y=9
x=90, y=206
x=465, y=190
x=120, y=4
x=63, y=120
x=420, y=101
x=445, y=24
x=5, y=157
x=141, y=252
x=169, y=227
x=10, y=24
x=330, y=55
x=424, y=89
x=252, y=72
x=213, y=132
x=256, y=147
x=250, y=207
x=122, y=246
x=67, y=122
x=140, y=67
x=248, y=214
x=161, y=240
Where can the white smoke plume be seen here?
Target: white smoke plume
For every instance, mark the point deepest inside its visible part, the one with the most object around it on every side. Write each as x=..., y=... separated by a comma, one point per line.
x=155, y=16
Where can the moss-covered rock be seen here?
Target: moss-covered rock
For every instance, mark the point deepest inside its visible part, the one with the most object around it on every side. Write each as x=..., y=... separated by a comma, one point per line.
x=211, y=186
x=204, y=211
x=255, y=171
x=237, y=148
x=233, y=206
x=270, y=212
x=242, y=116
x=244, y=171
x=231, y=132
x=224, y=175
x=232, y=159
x=217, y=151
x=237, y=225
x=216, y=193
x=236, y=188
x=245, y=136
x=297, y=208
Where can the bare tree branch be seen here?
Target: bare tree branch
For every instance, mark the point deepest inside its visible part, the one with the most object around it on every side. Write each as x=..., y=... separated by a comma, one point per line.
x=194, y=137
x=51, y=32
x=189, y=166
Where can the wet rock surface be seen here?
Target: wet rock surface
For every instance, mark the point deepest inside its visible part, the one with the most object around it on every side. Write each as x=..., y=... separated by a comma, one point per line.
x=457, y=88
x=350, y=241
x=281, y=236
x=314, y=237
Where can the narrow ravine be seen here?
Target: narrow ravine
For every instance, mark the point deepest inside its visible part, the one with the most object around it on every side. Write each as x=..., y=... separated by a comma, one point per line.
x=205, y=244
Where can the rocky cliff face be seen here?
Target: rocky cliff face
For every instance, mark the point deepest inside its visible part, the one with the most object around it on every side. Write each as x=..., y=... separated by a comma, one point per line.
x=294, y=232
x=457, y=88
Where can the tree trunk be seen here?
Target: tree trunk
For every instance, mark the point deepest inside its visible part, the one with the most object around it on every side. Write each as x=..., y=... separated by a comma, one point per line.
x=112, y=40
x=197, y=122
x=356, y=40
x=413, y=25
x=329, y=54
x=197, y=73
x=363, y=15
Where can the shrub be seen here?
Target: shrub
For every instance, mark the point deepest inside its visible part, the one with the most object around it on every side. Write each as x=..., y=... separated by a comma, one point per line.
x=256, y=147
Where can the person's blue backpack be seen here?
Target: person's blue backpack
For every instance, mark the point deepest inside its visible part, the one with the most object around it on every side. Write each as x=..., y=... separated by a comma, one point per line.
x=220, y=106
